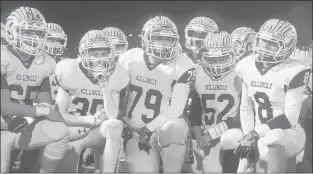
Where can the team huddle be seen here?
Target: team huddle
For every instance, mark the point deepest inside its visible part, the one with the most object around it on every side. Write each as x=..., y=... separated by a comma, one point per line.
x=234, y=102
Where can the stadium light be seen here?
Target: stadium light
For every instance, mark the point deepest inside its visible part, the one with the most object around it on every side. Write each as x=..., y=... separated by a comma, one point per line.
x=130, y=35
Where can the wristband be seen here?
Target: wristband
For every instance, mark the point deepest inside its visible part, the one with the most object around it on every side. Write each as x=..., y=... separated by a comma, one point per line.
x=42, y=111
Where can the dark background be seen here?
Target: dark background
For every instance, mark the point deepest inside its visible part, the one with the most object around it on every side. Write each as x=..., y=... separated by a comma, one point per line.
x=77, y=17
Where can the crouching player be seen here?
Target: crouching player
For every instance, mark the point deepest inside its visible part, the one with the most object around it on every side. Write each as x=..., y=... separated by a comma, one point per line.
x=272, y=92
x=24, y=78
x=88, y=100
x=158, y=91
x=215, y=99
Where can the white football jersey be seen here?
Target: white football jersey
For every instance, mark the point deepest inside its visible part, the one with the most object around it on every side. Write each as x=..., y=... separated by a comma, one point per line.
x=86, y=95
x=268, y=89
x=25, y=78
x=150, y=90
x=220, y=99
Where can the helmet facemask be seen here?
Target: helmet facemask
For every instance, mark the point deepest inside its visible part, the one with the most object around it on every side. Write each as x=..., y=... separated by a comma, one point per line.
x=161, y=45
x=269, y=50
x=28, y=37
x=194, y=38
x=98, y=59
x=218, y=62
x=54, y=45
x=120, y=46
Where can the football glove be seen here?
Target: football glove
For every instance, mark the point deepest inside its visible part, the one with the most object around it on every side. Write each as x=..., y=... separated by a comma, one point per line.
x=127, y=132
x=18, y=124
x=248, y=147
x=144, y=139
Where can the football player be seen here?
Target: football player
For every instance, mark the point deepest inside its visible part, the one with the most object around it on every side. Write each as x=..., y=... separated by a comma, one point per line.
x=119, y=40
x=272, y=90
x=88, y=100
x=195, y=32
x=243, y=39
x=159, y=86
x=215, y=99
x=24, y=78
x=54, y=45
x=305, y=158
x=4, y=38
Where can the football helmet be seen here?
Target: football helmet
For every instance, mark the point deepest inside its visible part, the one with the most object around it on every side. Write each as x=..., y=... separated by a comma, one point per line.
x=159, y=38
x=118, y=39
x=243, y=39
x=4, y=37
x=197, y=29
x=179, y=48
x=97, y=41
x=26, y=29
x=275, y=41
x=217, y=54
x=55, y=39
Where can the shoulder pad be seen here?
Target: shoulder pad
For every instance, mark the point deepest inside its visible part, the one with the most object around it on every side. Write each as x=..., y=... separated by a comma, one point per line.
x=128, y=56
x=183, y=63
x=299, y=78
x=242, y=64
x=119, y=79
x=64, y=72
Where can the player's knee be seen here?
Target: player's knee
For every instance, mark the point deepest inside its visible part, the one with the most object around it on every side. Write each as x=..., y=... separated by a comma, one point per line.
x=173, y=131
x=55, y=131
x=111, y=128
x=57, y=149
x=230, y=138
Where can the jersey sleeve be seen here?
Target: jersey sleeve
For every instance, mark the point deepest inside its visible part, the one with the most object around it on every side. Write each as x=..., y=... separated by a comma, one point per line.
x=125, y=58
x=62, y=73
x=299, y=78
x=186, y=70
x=246, y=111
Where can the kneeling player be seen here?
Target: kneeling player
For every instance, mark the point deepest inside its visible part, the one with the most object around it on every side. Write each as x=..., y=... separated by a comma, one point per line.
x=272, y=90
x=24, y=78
x=159, y=86
x=85, y=87
x=54, y=44
x=217, y=93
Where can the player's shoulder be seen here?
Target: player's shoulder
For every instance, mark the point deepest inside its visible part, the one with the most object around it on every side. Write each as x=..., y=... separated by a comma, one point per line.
x=66, y=67
x=130, y=55
x=295, y=72
x=120, y=78
x=183, y=63
x=243, y=65
x=47, y=62
x=66, y=72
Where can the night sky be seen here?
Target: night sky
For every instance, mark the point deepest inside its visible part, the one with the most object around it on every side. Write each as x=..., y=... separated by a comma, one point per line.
x=77, y=17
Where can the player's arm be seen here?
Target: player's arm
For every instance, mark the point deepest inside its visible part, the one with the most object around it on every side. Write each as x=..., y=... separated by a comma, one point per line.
x=111, y=101
x=9, y=108
x=123, y=103
x=44, y=96
x=178, y=100
x=62, y=103
x=292, y=105
x=246, y=111
x=195, y=114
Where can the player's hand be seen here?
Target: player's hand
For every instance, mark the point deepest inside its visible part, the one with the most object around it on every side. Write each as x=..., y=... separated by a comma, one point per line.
x=103, y=80
x=144, y=140
x=248, y=147
x=127, y=132
x=203, y=141
x=18, y=124
x=99, y=117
